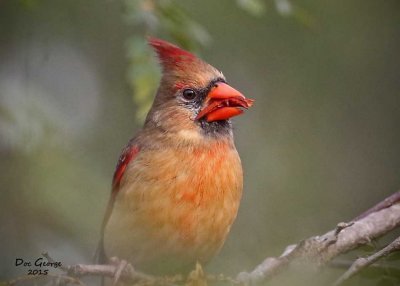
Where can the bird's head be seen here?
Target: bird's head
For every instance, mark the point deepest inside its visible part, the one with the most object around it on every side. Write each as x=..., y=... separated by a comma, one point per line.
x=193, y=98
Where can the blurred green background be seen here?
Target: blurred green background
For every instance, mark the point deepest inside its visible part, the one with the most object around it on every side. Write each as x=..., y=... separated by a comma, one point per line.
x=320, y=146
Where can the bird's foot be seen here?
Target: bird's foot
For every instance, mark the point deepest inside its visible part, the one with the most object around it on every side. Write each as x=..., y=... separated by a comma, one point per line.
x=197, y=277
x=120, y=266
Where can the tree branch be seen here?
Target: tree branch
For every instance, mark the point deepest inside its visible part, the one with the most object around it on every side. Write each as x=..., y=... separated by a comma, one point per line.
x=127, y=274
x=322, y=249
x=389, y=201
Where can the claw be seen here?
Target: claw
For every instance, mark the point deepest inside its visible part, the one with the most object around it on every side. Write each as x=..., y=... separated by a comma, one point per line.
x=197, y=277
x=120, y=265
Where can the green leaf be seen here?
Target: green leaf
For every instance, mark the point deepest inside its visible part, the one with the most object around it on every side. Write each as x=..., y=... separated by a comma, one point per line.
x=254, y=7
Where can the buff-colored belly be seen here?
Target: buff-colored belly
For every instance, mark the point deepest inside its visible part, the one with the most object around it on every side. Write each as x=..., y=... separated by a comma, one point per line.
x=180, y=208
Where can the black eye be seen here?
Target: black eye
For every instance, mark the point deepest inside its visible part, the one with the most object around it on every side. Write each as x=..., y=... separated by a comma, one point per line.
x=189, y=94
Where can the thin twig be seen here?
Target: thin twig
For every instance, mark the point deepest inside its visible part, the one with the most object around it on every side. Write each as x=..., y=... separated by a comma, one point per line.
x=64, y=278
x=106, y=270
x=346, y=264
x=363, y=262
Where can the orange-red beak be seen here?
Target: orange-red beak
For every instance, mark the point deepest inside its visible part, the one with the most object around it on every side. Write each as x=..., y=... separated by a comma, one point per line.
x=223, y=102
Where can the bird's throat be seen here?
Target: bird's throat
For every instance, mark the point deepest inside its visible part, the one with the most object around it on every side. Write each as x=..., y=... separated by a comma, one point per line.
x=218, y=129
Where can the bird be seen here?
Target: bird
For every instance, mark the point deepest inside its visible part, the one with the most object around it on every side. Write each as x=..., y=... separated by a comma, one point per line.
x=178, y=183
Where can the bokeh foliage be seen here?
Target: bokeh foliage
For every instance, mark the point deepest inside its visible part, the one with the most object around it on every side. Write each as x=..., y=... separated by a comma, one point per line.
x=147, y=18
x=168, y=19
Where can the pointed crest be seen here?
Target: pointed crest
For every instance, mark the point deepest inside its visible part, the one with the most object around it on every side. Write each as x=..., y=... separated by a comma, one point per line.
x=169, y=54
x=181, y=67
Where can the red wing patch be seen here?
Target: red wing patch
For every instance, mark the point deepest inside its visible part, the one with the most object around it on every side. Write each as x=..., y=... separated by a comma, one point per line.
x=127, y=155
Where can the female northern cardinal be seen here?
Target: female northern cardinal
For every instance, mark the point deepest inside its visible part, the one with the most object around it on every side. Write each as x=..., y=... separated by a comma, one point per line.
x=178, y=183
